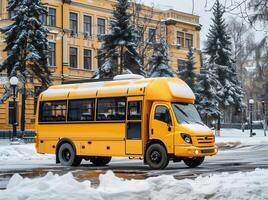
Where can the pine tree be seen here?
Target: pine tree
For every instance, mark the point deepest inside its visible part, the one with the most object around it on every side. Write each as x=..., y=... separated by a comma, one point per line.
x=220, y=58
x=188, y=74
x=27, y=46
x=206, y=94
x=120, y=45
x=159, y=60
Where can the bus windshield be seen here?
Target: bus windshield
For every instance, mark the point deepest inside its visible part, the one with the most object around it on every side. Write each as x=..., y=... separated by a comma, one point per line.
x=186, y=113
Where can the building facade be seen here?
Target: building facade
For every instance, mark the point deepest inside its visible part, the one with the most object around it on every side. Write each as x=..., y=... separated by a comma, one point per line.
x=74, y=28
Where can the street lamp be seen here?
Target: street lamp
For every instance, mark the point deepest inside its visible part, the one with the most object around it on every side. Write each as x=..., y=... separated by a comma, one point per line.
x=251, y=103
x=14, y=82
x=264, y=117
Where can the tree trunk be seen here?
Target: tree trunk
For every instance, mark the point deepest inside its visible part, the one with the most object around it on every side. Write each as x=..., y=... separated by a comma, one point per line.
x=219, y=125
x=121, y=60
x=23, y=108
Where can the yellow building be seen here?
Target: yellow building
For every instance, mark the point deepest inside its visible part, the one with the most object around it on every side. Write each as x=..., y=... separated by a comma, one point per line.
x=74, y=26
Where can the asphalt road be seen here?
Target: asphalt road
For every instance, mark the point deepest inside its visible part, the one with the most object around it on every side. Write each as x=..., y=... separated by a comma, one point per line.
x=232, y=160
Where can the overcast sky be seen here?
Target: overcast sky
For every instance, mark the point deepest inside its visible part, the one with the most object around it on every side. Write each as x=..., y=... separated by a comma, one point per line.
x=201, y=8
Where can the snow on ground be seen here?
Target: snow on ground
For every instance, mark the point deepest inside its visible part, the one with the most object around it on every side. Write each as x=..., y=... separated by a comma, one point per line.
x=235, y=137
x=20, y=152
x=239, y=186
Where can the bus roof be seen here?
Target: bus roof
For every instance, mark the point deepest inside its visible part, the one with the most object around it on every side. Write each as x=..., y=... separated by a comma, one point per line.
x=156, y=89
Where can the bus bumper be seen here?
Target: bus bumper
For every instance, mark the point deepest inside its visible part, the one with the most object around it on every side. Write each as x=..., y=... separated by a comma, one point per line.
x=192, y=151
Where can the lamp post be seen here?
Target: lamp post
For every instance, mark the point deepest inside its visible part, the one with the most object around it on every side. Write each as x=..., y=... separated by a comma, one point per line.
x=264, y=117
x=14, y=82
x=251, y=103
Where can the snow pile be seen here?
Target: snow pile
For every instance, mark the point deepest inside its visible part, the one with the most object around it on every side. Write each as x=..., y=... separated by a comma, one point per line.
x=235, y=137
x=21, y=152
x=248, y=185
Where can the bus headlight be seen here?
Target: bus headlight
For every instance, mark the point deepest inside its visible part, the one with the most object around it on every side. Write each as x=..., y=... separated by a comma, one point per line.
x=187, y=138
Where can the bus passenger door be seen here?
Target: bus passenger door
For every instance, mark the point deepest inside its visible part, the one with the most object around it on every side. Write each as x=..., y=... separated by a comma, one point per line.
x=134, y=126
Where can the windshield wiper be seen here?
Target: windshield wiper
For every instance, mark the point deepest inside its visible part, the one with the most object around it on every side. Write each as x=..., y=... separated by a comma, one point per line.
x=200, y=123
x=181, y=111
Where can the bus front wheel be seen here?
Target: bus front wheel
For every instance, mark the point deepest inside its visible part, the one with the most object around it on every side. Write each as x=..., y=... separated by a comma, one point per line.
x=157, y=157
x=67, y=156
x=193, y=162
x=100, y=160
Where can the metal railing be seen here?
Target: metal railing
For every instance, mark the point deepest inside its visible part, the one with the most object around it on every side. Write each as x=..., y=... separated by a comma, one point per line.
x=26, y=136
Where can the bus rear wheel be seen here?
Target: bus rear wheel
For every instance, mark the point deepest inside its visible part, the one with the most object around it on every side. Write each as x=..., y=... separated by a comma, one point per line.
x=193, y=162
x=157, y=157
x=100, y=160
x=67, y=156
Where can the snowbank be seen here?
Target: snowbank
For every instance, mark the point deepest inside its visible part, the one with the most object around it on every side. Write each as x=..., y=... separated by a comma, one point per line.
x=239, y=186
x=21, y=152
x=237, y=138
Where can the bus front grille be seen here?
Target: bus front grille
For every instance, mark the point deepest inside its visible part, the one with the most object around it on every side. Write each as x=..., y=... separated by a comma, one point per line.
x=205, y=140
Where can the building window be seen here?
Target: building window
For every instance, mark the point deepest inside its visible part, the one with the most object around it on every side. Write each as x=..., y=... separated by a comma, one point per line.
x=180, y=38
x=87, y=59
x=181, y=65
x=53, y=111
x=43, y=17
x=100, y=59
x=73, y=23
x=101, y=26
x=52, y=54
x=111, y=109
x=152, y=35
x=11, y=107
x=140, y=34
x=37, y=92
x=81, y=110
x=51, y=17
x=73, y=57
x=189, y=40
x=87, y=25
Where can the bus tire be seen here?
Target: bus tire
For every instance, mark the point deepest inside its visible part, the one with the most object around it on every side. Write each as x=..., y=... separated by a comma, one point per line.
x=67, y=156
x=156, y=156
x=193, y=162
x=100, y=160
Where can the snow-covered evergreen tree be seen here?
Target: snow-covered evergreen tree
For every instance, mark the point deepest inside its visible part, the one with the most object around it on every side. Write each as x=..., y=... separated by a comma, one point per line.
x=220, y=58
x=188, y=74
x=159, y=60
x=119, y=45
x=206, y=93
x=26, y=45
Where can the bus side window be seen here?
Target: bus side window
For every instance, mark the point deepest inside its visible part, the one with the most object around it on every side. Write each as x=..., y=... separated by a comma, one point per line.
x=53, y=111
x=162, y=114
x=134, y=110
x=109, y=109
x=81, y=110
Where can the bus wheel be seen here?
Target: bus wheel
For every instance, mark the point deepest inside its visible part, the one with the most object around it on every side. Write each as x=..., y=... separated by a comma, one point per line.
x=67, y=155
x=157, y=157
x=100, y=160
x=193, y=162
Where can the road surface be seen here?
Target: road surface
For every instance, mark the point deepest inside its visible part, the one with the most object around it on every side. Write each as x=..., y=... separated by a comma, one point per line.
x=232, y=160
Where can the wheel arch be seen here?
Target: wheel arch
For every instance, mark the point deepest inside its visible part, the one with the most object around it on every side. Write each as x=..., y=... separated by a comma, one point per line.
x=61, y=142
x=153, y=141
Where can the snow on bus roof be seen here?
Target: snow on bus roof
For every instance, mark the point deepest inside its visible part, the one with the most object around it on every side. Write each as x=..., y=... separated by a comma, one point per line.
x=181, y=89
x=162, y=88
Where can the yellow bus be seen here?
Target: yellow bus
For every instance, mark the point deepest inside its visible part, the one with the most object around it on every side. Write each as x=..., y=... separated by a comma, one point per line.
x=151, y=119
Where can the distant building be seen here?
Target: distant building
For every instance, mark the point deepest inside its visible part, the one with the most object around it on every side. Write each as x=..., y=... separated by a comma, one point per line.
x=74, y=27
